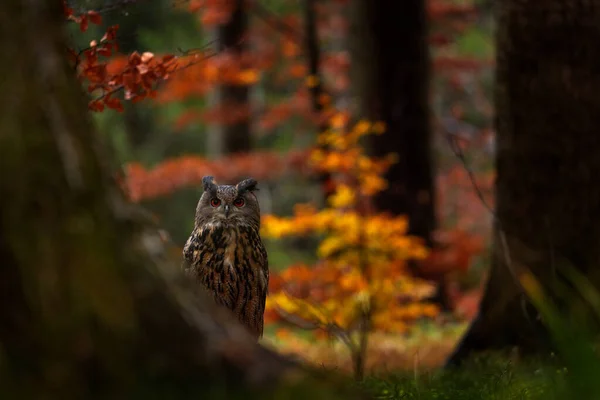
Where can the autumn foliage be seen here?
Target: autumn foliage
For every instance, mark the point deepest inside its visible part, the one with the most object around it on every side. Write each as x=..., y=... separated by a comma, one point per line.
x=135, y=75
x=361, y=282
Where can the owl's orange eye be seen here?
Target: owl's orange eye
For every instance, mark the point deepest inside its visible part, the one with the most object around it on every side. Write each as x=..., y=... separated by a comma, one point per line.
x=239, y=202
x=215, y=202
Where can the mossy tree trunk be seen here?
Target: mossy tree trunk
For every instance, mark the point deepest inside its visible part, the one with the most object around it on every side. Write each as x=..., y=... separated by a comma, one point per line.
x=547, y=191
x=90, y=306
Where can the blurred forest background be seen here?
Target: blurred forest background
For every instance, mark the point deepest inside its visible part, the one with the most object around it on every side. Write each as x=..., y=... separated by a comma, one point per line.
x=258, y=90
x=410, y=224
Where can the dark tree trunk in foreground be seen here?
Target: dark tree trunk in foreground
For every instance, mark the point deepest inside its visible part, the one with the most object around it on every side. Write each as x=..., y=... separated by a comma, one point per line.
x=89, y=305
x=548, y=166
x=391, y=73
x=233, y=136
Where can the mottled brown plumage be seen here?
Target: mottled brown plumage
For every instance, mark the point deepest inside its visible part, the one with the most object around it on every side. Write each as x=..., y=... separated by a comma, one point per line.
x=225, y=253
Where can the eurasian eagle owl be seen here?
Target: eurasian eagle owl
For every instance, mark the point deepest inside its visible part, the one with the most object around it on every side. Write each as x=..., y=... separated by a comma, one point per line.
x=225, y=253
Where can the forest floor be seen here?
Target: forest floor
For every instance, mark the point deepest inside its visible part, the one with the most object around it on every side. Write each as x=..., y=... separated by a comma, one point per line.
x=492, y=379
x=427, y=346
x=408, y=367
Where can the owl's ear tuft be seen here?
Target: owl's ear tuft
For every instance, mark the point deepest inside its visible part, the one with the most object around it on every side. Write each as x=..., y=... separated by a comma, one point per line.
x=247, y=185
x=209, y=185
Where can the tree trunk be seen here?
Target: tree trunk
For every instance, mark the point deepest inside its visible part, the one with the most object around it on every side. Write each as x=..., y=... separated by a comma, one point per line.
x=139, y=121
x=235, y=136
x=391, y=73
x=90, y=306
x=317, y=90
x=547, y=192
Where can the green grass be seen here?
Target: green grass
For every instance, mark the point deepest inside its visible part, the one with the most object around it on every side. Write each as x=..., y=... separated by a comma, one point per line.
x=484, y=378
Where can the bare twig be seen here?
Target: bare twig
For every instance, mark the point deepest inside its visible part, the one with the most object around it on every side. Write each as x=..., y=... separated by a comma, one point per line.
x=119, y=5
x=331, y=327
x=187, y=53
x=458, y=152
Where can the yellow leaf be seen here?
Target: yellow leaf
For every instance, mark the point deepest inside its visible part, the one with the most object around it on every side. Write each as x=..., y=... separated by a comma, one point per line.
x=339, y=120
x=372, y=184
x=353, y=281
x=343, y=197
x=316, y=156
x=362, y=127
x=284, y=302
x=329, y=246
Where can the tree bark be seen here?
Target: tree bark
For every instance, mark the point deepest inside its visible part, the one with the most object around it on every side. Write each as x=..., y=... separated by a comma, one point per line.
x=90, y=306
x=547, y=192
x=233, y=137
x=317, y=90
x=391, y=73
x=139, y=121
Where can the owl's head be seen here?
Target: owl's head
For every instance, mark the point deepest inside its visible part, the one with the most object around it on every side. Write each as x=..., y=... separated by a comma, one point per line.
x=228, y=204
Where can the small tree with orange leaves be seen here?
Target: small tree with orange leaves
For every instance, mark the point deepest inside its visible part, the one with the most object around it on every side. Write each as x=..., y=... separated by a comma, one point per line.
x=361, y=282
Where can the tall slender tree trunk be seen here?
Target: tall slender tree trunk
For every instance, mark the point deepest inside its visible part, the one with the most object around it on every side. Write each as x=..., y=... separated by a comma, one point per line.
x=391, y=74
x=90, y=306
x=233, y=137
x=547, y=192
x=317, y=90
x=139, y=122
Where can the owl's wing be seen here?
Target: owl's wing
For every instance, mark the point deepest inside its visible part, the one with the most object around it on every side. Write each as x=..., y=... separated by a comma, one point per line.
x=192, y=245
x=195, y=246
x=264, y=289
x=265, y=266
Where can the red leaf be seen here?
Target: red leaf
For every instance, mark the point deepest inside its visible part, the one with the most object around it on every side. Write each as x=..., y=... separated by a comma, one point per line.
x=68, y=11
x=113, y=103
x=135, y=58
x=96, y=105
x=95, y=18
x=83, y=25
x=111, y=33
x=105, y=51
x=73, y=57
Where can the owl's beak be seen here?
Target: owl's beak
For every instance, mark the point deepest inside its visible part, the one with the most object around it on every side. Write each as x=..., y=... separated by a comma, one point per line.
x=226, y=210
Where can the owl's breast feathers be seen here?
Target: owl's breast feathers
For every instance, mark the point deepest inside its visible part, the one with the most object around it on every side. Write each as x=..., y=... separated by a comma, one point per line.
x=231, y=262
